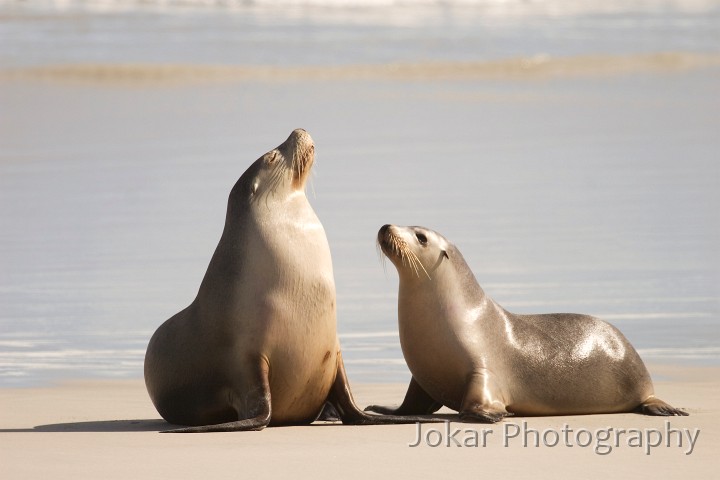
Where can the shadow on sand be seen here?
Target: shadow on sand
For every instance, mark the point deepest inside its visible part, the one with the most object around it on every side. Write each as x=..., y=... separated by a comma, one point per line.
x=155, y=425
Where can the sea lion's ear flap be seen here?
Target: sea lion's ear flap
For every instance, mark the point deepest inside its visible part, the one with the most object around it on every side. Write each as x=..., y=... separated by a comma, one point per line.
x=446, y=254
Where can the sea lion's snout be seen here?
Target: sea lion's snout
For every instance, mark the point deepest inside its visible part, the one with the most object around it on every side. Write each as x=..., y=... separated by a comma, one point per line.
x=299, y=152
x=393, y=243
x=296, y=135
x=298, y=140
x=384, y=238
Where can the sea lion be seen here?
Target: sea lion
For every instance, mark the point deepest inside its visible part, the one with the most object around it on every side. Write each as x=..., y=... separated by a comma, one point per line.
x=468, y=353
x=258, y=346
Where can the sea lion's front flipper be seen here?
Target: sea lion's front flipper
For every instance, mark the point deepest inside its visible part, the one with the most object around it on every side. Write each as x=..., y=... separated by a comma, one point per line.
x=417, y=402
x=253, y=404
x=481, y=403
x=328, y=414
x=341, y=398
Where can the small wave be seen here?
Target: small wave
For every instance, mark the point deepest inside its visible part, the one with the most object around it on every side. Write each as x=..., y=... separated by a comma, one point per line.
x=375, y=361
x=537, y=67
x=492, y=7
x=23, y=344
x=361, y=335
x=699, y=353
x=653, y=316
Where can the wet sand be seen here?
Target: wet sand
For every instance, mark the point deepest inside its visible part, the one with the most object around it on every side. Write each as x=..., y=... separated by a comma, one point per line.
x=144, y=175
x=593, y=194
x=524, y=68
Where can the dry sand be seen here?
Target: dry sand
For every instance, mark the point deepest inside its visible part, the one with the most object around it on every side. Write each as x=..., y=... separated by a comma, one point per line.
x=109, y=429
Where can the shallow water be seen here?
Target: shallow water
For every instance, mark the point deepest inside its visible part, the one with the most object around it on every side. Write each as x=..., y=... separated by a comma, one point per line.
x=308, y=33
x=594, y=194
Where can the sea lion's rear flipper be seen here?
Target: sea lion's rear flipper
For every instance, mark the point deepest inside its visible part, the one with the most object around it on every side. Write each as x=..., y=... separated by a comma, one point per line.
x=655, y=406
x=255, y=423
x=341, y=399
x=254, y=405
x=417, y=402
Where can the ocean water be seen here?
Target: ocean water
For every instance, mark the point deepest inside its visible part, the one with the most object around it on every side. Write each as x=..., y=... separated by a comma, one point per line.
x=591, y=187
x=337, y=32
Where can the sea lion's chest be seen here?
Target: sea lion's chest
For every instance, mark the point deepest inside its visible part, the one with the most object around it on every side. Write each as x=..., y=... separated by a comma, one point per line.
x=440, y=347
x=293, y=297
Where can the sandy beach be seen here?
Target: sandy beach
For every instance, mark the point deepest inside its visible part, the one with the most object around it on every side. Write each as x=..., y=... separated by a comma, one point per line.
x=109, y=429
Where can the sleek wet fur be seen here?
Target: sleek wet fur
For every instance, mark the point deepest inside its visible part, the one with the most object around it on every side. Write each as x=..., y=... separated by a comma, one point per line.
x=468, y=353
x=258, y=346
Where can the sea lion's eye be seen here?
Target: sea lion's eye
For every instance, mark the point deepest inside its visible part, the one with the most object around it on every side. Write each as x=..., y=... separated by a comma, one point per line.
x=421, y=238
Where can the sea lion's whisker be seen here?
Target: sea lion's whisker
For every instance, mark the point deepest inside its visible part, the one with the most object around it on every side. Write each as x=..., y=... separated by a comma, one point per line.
x=297, y=163
x=272, y=182
x=412, y=260
x=383, y=262
x=408, y=258
x=278, y=170
x=312, y=178
x=420, y=263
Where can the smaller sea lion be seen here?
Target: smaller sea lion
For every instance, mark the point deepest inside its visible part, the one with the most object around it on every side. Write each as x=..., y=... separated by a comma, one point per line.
x=468, y=353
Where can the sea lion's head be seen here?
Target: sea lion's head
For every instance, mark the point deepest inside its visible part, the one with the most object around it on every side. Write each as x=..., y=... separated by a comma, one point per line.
x=280, y=172
x=415, y=251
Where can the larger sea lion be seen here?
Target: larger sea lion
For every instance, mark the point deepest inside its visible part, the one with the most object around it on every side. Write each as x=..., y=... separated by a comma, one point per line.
x=258, y=346
x=468, y=353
